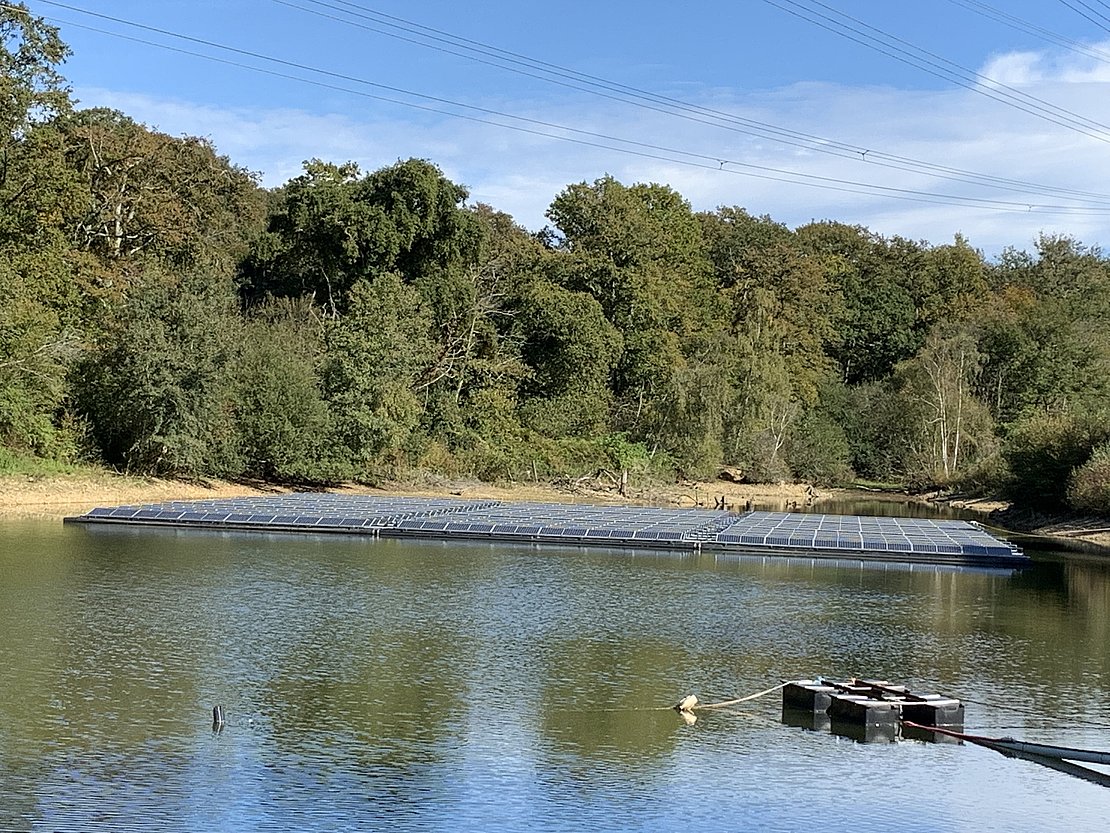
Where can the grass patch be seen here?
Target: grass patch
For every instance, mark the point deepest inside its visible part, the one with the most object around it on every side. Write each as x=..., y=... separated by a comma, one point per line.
x=16, y=464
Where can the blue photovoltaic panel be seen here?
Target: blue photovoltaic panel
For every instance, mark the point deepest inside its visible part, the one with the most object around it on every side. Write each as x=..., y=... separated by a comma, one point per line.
x=672, y=528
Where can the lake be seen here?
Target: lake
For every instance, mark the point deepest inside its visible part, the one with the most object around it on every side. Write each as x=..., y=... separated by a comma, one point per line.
x=371, y=685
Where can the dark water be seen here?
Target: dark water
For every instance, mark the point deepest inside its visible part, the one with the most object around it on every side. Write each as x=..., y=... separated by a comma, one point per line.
x=428, y=686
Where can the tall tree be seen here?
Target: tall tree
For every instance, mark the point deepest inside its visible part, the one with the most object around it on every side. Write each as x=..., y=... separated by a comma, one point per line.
x=37, y=302
x=153, y=197
x=639, y=252
x=782, y=309
x=1045, y=331
x=156, y=388
x=949, y=426
x=877, y=327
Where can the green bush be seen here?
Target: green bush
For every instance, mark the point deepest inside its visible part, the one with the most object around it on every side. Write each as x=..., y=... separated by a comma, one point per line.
x=1089, y=487
x=1044, y=450
x=819, y=451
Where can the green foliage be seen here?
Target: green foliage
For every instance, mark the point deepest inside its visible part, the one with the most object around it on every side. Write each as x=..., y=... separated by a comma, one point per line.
x=819, y=451
x=638, y=252
x=1089, y=487
x=31, y=88
x=147, y=195
x=1045, y=332
x=378, y=359
x=332, y=227
x=948, y=427
x=1044, y=450
x=155, y=386
x=36, y=351
x=281, y=420
x=30, y=465
x=571, y=350
x=876, y=280
x=383, y=326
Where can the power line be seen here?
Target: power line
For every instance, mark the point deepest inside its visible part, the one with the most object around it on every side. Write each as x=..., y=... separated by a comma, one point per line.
x=1007, y=19
x=940, y=67
x=589, y=138
x=1096, y=17
x=668, y=106
x=808, y=142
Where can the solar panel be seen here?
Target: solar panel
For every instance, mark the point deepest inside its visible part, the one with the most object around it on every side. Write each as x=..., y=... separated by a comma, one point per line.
x=581, y=524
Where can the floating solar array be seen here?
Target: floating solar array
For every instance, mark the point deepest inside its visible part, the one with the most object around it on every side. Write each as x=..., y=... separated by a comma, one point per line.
x=829, y=536
x=296, y=511
x=577, y=523
x=818, y=533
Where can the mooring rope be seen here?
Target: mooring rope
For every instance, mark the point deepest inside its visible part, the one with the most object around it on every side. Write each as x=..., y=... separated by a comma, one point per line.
x=726, y=703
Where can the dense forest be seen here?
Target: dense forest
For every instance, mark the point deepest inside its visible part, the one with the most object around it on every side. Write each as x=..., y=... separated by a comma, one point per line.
x=162, y=313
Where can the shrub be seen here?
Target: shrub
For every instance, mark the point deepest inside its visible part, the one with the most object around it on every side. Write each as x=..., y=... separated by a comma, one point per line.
x=1089, y=487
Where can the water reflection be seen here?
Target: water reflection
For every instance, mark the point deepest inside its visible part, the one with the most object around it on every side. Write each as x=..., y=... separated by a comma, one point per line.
x=436, y=686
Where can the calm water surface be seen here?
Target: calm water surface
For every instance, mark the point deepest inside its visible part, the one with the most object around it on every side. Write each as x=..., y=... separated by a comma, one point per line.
x=429, y=686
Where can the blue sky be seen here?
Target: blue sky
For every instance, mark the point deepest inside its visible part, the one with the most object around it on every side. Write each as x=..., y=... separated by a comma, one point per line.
x=756, y=59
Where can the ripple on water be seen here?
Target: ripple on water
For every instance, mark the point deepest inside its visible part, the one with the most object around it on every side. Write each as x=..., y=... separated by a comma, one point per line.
x=373, y=685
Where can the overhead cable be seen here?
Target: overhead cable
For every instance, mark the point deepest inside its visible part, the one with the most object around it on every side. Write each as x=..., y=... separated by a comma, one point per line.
x=581, y=137
x=1007, y=19
x=518, y=63
x=901, y=50
x=1089, y=13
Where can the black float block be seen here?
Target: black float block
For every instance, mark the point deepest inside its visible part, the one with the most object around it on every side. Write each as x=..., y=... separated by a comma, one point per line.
x=865, y=732
x=807, y=695
x=863, y=711
x=815, y=721
x=935, y=711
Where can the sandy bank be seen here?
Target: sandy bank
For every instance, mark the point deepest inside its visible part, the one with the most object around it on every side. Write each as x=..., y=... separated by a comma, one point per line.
x=63, y=495
x=58, y=496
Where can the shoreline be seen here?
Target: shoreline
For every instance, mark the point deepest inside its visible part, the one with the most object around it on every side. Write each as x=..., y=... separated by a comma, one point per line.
x=59, y=496
x=54, y=497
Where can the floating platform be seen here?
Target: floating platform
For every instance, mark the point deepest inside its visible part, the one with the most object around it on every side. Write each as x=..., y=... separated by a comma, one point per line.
x=902, y=540
x=866, y=710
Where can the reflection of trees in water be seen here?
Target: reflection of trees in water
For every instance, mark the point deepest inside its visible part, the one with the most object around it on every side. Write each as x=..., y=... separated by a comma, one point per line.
x=597, y=698
x=397, y=699
x=1089, y=587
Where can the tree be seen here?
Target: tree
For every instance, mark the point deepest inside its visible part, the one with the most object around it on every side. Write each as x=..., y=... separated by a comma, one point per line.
x=149, y=196
x=571, y=350
x=1045, y=450
x=32, y=90
x=782, y=313
x=35, y=354
x=1045, y=331
x=877, y=325
x=374, y=373
x=638, y=251
x=282, y=424
x=937, y=388
x=155, y=389
x=332, y=226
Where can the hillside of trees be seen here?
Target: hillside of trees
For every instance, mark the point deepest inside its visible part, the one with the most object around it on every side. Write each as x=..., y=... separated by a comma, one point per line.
x=162, y=313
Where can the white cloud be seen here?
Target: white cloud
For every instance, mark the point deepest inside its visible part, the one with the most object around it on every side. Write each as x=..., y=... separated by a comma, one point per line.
x=521, y=173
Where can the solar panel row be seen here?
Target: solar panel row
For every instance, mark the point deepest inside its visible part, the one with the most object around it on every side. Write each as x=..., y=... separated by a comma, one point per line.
x=572, y=522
